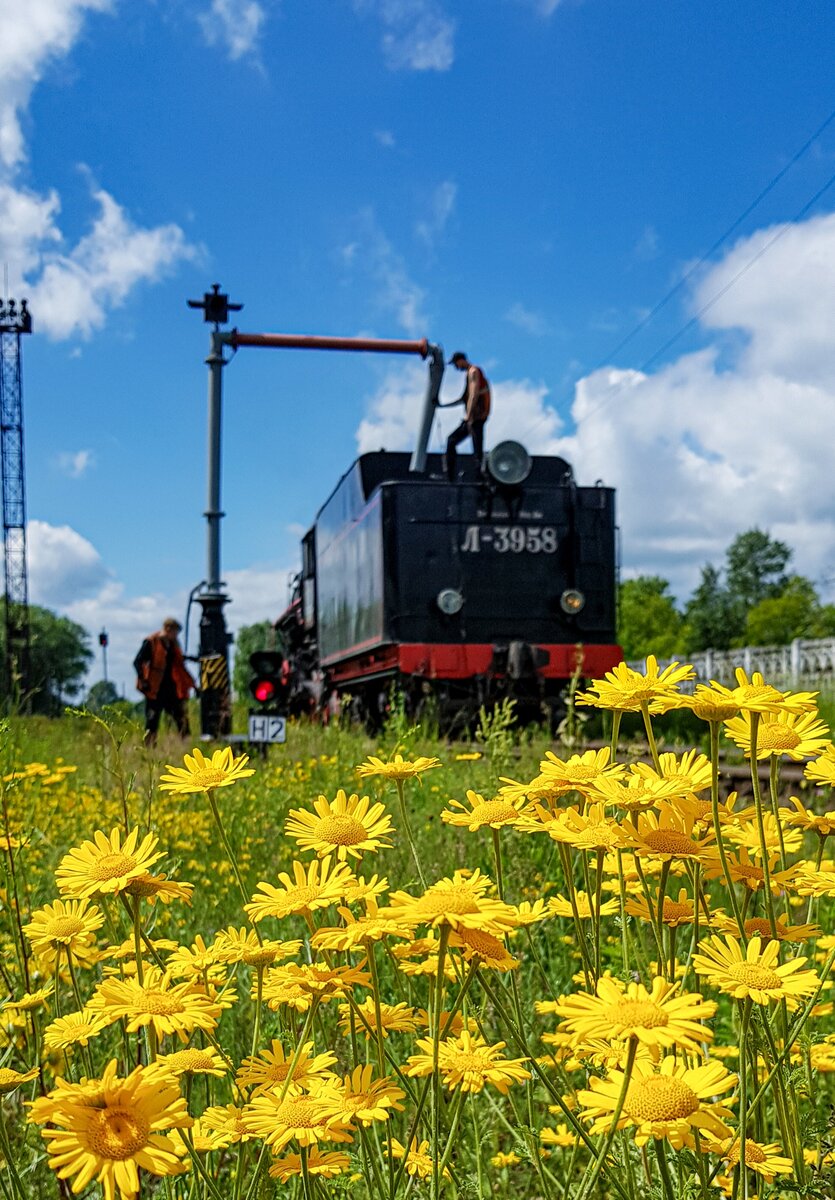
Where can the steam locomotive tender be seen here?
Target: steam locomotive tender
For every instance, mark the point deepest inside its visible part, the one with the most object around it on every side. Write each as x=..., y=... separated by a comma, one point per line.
x=501, y=583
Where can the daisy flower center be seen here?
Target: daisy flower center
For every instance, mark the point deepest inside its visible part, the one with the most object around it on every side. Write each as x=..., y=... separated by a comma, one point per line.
x=260, y=958
x=159, y=1004
x=661, y=1098
x=754, y=975
x=111, y=866
x=636, y=1012
x=277, y=1071
x=453, y=900
x=190, y=1060
x=753, y=692
x=484, y=944
x=753, y=1153
x=7, y=1076
x=208, y=777
x=675, y=911
x=670, y=841
x=63, y=927
x=777, y=736
x=117, y=1133
x=759, y=927
x=341, y=830
x=749, y=871
x=302, y=895
x=469, y=1062
x=495, y=810
x=301, y=1113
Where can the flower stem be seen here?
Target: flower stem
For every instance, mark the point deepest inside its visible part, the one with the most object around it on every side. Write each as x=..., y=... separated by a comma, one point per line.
x=717, y=826
x=404, y=817
x=599, y=1162
x=230, y=854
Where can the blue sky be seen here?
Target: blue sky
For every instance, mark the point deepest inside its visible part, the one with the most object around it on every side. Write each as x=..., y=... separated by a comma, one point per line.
x=523, y=179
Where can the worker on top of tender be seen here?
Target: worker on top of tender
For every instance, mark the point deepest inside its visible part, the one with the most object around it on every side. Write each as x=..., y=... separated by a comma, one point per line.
x=476, y=401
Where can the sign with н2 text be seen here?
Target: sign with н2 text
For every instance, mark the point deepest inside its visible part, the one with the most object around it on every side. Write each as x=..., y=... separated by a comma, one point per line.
x=266, y=728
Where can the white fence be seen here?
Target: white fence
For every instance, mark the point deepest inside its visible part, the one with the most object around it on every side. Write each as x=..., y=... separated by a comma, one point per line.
x=803, y=661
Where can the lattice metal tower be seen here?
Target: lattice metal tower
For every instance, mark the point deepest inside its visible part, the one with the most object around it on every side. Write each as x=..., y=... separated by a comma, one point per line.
x=14, y=321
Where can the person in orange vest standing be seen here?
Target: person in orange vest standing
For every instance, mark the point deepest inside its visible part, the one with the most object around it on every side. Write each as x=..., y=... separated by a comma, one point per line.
x=163, y=680
x=476, y=401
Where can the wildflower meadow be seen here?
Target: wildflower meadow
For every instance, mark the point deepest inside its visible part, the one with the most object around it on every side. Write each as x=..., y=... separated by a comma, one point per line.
x=415, y=969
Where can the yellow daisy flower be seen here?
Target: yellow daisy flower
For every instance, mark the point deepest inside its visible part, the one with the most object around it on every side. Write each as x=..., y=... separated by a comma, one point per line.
x=394, y=1018
x=106, y=865
x=502, y=1160
x=493, y=814
x=659, y=1018
x=201, y=774
x=823, y=824
x=691, y=772
x=357, y=932
x=176, y=1008
x=668, y=834
x=560, y=906
x=579, y=772
x=347, y=825
x=269, y=1069
x=765, y=1160
x=327, y=1164
x=668, y=1101
x=396, y=768
x=793, y=735
x=126, y=1130
x=202, y=1139
x=591, y=830
x=635, y=792
x=11, y=1079
x=241, y=945
x=64, y=923
x=709, y=702
x=307, y=1119
x=822, y=769
x=468, y=1062
x=761, y=927
x=746, y=833
x=755, y=695
x=463, y=899
x=626, y=690
x=743, y=870
x=194, y=1060
x=226, y=1119
x=419, y=1163
x=75, y=1029
x=189, y=962
x=755, y=972
x=316, y=886
x=292, y=982
x=159, y=887
x=486, y=947
x=30, y=1001
x=681, y=911
x=561, y=1136
x=359, y=1097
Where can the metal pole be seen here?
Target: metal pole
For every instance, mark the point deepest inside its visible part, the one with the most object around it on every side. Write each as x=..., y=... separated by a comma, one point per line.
x=215, y=704
x=213, y=514
x=433, y=391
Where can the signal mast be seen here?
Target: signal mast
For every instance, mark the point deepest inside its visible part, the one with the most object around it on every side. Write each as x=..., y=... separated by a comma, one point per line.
x=14, y=322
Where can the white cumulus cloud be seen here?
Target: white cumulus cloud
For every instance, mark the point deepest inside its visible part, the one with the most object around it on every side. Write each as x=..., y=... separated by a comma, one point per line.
x=393, y=413
x=235, y=24
x=68, y=574
x=76, y=463
x=71, y=286
x=417, y=35
x=441, y=208
x=371, y=253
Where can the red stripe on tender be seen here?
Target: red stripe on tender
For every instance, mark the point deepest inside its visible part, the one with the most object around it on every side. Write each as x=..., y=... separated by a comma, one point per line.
x=434, y=660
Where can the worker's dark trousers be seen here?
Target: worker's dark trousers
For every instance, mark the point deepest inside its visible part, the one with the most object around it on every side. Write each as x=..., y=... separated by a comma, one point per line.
x=154, y=709
x=467, y=429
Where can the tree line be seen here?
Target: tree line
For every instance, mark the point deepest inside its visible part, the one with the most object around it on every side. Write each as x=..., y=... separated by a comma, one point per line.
x=751, y=599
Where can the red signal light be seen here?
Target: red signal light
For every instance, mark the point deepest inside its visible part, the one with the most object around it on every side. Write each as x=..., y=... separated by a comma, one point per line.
x=264, y=690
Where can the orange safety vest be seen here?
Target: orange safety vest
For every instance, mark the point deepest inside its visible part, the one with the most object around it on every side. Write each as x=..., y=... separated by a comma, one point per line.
x=479, y=410
x=152, y=673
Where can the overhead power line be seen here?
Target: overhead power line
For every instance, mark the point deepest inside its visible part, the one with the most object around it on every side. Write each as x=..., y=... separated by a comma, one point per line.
x=700, y=262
